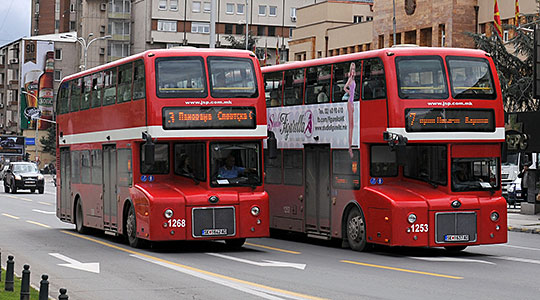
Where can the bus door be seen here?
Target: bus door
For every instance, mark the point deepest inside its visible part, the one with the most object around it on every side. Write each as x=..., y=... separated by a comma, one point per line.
x=317, y=189
x=109, y=188
x=65, y=184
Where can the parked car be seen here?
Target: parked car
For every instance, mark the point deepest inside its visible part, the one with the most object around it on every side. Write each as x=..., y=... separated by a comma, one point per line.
x=23, y=176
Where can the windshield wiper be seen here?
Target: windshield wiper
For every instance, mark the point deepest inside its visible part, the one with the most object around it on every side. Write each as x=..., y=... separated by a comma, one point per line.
x=195, y=180
x=425, y=177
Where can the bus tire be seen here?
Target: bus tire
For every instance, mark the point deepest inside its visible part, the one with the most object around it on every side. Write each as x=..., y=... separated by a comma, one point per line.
x=131, y=229
x=79, y=219
x=235, y=243
x=455, y=249
x=356, y=230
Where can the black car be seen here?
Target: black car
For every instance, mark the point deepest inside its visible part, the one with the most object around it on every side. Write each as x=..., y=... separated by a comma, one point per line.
x=25, y=176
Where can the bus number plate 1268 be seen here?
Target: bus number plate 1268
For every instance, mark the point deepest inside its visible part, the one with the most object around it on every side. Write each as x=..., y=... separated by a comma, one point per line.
x=221, y=231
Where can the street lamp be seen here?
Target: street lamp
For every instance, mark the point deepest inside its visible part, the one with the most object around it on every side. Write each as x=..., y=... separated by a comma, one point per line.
x=247, y=24
x=36, y=118
x=85, y=43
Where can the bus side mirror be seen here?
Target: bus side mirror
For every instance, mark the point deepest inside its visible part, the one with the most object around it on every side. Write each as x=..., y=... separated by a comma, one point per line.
x=148, y=149
x=272, y=145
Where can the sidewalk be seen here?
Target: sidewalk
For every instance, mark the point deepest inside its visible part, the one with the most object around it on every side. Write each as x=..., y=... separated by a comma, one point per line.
x=523, y=223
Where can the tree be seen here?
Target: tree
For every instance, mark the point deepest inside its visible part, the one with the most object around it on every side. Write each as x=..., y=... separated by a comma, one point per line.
x=514, y=63
x=241, y=43
x=49, y=141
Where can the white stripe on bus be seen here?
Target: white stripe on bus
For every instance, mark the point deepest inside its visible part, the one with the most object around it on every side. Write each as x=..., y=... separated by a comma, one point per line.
x=158, y=132
x=463, y=135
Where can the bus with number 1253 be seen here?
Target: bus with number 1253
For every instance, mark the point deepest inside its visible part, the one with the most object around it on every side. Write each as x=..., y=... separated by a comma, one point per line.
x=165, y=145
x=399, y=147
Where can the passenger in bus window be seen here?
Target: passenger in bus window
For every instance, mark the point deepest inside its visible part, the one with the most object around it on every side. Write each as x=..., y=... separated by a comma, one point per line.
x=322, y=97
x=349, y=88
x=230, y=170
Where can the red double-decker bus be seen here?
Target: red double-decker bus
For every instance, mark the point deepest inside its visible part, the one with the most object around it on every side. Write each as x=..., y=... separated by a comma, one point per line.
x=399, y=146
x=165, y=145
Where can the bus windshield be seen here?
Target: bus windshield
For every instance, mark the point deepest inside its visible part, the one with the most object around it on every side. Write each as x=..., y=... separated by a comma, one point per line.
x=232, y=77
x=470, y=78
x=474, y=174
x=180, y=77
x=421, y=77
x=235, y=164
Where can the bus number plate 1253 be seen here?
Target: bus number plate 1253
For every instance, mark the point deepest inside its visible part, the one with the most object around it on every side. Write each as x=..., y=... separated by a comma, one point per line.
x=221, y=231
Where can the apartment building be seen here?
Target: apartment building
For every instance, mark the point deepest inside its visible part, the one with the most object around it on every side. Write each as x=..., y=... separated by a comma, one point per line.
x=338, y=27
x=53, y=16
x=22, y=63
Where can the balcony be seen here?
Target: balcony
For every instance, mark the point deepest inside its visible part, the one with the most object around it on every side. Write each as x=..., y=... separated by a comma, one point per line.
x=119, y=15
x=13, y=85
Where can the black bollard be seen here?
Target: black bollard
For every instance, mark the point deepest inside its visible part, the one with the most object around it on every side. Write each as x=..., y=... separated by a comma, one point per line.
x=9, y=274
x=63, y=294
x=25, y=283
x=44, y=287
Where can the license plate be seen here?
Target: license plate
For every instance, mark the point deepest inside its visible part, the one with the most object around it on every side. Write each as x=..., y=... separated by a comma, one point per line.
x=214, y=231
x=456, y=238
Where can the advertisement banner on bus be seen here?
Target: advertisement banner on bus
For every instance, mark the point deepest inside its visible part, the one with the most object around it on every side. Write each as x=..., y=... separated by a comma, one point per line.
x=318, y=123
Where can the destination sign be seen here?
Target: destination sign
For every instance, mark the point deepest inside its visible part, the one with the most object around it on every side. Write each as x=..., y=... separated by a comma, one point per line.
x=449, y=120
x=209, y=117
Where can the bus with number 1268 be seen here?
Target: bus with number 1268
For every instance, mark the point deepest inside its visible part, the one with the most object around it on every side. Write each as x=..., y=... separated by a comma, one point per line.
x=165, y=145
x=399, y=147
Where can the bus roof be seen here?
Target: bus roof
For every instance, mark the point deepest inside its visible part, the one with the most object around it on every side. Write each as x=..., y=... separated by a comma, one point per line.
x=398, y=50
x=164, y=52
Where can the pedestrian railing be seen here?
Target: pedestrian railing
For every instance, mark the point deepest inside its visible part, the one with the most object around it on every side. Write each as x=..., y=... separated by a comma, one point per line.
x=25, y=282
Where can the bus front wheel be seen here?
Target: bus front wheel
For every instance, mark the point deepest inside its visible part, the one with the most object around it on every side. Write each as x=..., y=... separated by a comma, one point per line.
x=356, y=230
x=79, y=219
x=131, y=229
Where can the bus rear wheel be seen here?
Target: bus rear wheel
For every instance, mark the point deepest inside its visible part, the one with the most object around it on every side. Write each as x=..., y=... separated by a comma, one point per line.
x=235, y=243
x=455, y=249
x=356, y=230
x=131, y=229
x=79, y=219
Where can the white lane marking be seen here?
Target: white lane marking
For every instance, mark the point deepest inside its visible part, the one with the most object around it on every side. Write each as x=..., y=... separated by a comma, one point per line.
x=39, y=224
x=454, y=259
x=75, y=264
x=259, y=291
x=519, y=259
x=10, y=216
x=44, y=212
x=267, y=263
x=520, y=247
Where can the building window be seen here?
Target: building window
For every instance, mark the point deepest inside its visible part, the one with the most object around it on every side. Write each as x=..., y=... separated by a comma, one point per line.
x=120, y=28
x=207, y=7
x=369, y=18
x=118, y=50
x=200, y=27
x=505, y=36
x=57, y=6
x=271, y=31
x=58, y=54
x=162, y=4
x=261, y=30
x=273, y=11
x=196, y=6
x=358, y=19
x=239, y=28
x=228, y=28
x=173, y=5
x=262, y=10
x=72, y=7
x=57, y=75
x=230, y=8
x=164, y=25
x=293, y=12
x=121, y=6
x=240, y=8
x=72, y=26
x=56, y=24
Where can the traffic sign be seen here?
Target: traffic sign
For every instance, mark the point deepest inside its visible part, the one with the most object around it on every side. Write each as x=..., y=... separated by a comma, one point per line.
x=32, y=112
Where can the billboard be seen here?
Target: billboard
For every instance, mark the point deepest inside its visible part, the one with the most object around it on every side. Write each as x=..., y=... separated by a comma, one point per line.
x=37, y=82
x=11, y=146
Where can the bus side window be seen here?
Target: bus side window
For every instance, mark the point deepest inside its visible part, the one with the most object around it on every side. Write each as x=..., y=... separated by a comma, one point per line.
x=383, y=162
x=294, y=83
x=109, y=93
x=346, y=170
x=75, y=94
x=63, y=97
x=272, y=168
x=87, y=89
x=293, y=167
x=341, y=71
x=97, y=87
x=373, y=80
x=273, y=83
x=138, y=80
x=124, y=82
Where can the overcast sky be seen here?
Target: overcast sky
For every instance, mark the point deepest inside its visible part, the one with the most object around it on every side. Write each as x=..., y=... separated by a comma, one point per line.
x=14, y=20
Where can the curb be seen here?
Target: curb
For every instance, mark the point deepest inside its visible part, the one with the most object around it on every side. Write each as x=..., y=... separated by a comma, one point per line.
x=521, y=229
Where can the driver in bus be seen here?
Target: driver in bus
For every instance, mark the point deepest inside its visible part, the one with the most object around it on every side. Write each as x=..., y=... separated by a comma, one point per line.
x=230, y=170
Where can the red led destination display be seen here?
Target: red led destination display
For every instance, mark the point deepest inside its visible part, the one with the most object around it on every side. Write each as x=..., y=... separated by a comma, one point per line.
x=449, y=120
x=209, y=117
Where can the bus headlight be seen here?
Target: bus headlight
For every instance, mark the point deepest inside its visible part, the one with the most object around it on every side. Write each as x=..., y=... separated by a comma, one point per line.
x=411, y=218
x=494, y=216
x=255, y=210
x=168, y=213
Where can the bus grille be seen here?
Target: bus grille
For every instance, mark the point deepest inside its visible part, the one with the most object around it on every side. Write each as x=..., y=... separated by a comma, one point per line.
x=213, y=221
x=455, y=227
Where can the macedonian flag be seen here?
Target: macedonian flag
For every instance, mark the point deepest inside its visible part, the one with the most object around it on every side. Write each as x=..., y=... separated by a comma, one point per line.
x=517, y=13
x=497, y=19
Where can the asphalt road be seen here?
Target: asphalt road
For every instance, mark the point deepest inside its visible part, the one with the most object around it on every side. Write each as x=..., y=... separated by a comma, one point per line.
x=288, y=267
